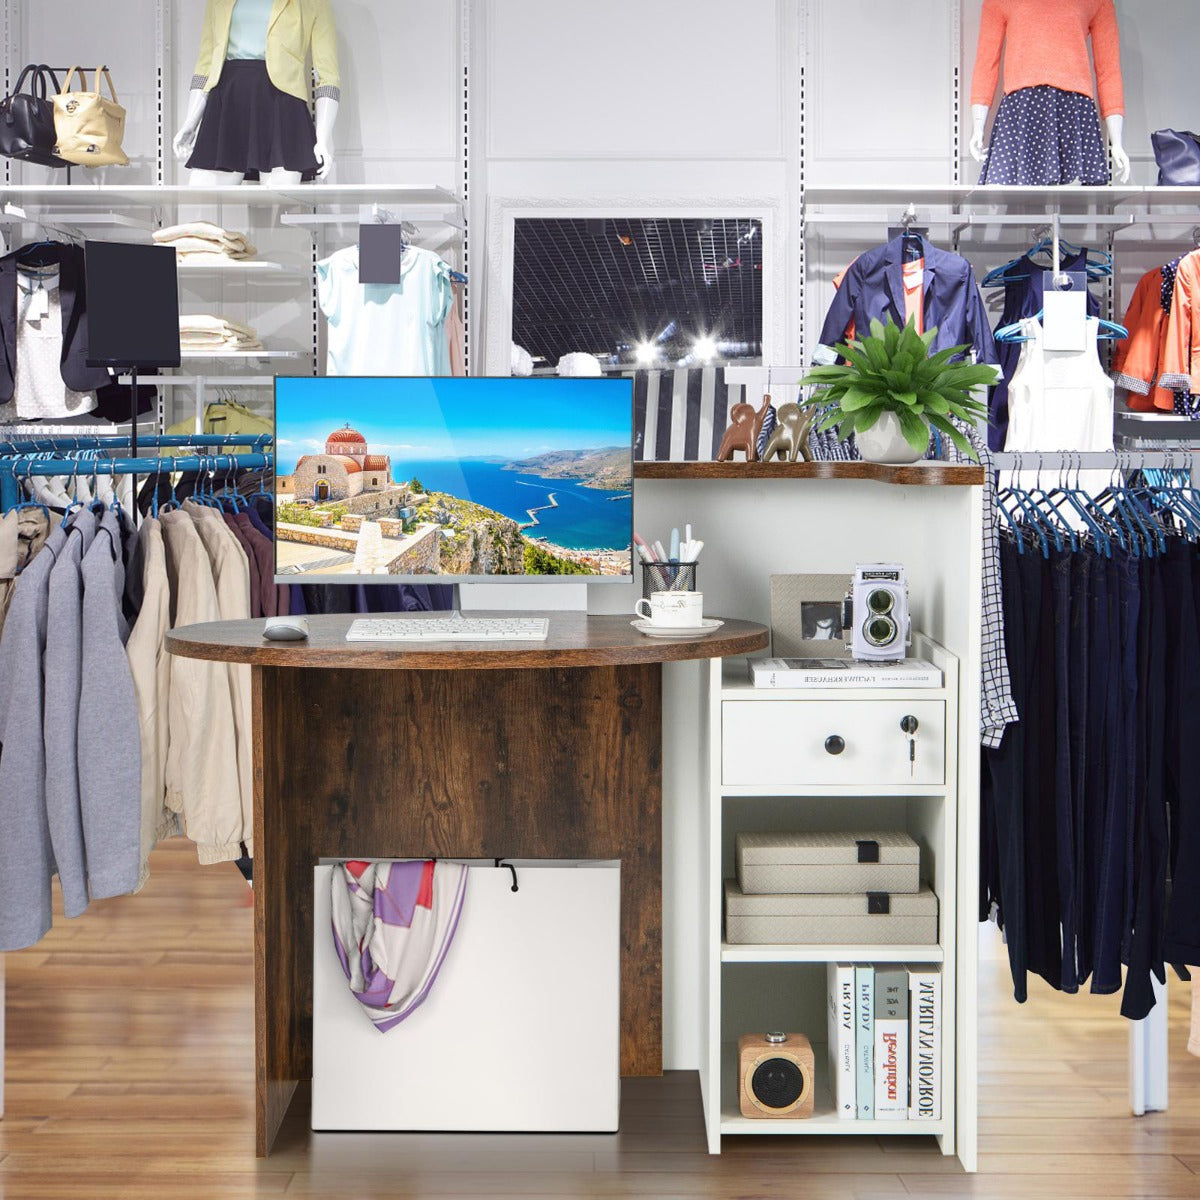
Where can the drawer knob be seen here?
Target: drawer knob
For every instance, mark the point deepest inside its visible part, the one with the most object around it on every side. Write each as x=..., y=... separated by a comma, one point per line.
x=834, y=744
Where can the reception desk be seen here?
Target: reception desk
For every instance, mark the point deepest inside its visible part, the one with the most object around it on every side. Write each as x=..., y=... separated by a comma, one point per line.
x=549, y=749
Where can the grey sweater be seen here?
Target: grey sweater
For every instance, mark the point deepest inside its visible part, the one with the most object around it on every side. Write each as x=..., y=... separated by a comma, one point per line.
x=26, y=860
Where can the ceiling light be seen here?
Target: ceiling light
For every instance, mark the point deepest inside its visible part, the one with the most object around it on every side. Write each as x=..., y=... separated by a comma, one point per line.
x=704, y=348
x=646, y=352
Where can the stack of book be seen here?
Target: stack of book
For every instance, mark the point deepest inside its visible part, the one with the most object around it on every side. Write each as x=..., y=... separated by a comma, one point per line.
x=885, y=1042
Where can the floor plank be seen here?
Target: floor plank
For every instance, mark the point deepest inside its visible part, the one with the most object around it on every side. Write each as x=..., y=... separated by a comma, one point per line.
x=130, y=1038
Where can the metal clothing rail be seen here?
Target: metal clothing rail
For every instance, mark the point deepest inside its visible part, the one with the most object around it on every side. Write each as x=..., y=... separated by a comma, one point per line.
x=63, y=445
x=1131, y=459
x=13, y=471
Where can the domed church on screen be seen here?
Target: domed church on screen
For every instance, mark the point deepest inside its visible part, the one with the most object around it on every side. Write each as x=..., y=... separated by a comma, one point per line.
x=346, y=469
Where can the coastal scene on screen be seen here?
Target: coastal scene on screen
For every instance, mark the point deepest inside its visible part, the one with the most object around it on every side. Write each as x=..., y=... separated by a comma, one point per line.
x=453, y=477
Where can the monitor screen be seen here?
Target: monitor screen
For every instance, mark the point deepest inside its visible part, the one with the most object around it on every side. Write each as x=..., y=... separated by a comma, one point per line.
x=426, y=480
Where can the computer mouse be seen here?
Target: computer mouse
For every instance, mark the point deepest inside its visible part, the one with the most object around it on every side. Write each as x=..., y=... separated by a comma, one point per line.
x=285, y=629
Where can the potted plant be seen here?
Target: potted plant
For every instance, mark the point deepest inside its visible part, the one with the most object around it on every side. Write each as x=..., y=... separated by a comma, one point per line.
x=891, y=391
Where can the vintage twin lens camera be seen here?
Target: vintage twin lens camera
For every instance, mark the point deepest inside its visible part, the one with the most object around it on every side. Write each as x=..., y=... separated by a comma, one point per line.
x=879, y=606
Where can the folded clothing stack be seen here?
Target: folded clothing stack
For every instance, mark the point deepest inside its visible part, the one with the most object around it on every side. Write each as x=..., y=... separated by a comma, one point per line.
x=204, y=242
x=204, y=333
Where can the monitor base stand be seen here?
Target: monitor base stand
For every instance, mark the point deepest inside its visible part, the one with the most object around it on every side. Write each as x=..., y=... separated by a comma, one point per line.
x=523, y=597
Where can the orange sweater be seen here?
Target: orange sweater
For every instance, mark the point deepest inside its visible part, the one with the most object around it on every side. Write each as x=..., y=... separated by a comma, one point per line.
x=1045, y=43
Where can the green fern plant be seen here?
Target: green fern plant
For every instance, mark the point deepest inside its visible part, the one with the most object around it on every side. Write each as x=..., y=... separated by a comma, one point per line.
x=893, y=371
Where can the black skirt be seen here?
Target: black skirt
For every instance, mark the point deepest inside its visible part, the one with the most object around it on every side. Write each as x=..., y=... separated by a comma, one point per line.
x=251, y=127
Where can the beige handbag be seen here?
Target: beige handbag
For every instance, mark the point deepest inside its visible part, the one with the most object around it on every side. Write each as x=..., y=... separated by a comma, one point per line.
x=90, y=127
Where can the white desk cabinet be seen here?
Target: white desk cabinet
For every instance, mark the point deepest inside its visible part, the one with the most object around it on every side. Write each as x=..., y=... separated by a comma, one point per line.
x=825, y=760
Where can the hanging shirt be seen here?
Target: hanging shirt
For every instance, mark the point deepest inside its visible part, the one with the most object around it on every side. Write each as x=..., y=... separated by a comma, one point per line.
x=386, y=329
x=39, y=388
x=914, y=293
x=248, y=29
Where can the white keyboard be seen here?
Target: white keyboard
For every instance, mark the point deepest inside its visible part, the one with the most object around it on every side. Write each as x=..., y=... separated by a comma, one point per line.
x=449, y=629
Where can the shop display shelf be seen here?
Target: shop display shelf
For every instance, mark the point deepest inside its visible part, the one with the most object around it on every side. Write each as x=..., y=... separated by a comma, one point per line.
x=921, y=474
x=824, y=1120
x=745, y=953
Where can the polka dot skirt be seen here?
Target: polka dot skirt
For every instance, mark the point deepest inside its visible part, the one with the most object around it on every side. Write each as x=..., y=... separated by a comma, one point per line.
x=1044, y=136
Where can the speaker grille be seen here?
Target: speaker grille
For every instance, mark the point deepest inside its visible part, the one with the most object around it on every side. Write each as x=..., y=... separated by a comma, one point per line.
x=777, y=1083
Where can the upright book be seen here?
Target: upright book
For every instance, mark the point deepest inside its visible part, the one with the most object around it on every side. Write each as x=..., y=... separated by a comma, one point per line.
x=925, y=1016
x=864, y=1041
x=891, y=1044
x=843, y=673
x=842, y=1076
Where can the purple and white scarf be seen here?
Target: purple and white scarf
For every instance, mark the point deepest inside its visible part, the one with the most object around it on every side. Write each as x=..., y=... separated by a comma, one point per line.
x=393, y=923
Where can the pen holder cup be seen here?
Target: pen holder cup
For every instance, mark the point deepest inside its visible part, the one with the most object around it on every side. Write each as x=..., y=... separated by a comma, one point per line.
x=668, y=577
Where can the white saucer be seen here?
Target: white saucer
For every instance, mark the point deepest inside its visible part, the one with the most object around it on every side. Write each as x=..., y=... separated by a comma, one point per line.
x=707, y=625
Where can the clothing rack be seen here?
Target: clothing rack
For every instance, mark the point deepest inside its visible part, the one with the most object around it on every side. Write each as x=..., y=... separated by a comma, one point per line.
x=1149, y=1048
x=21, y=463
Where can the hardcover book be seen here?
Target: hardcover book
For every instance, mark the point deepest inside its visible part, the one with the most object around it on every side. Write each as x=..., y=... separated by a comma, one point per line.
x=925, y=1016
x=842, y=1078
x=864, y=1043
x=843, y=673
x=891, y=1044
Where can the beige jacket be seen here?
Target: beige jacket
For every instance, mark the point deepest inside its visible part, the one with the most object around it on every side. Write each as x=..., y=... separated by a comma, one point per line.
x=23, y=532
x=231, y=574
x=151, y=667
x=201, y=772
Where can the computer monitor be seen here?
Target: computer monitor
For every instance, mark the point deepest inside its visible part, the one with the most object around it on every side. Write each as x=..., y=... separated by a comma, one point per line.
x=418, y=480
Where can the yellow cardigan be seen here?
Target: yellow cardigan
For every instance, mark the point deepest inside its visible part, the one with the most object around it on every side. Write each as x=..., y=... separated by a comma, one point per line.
x=295, y=28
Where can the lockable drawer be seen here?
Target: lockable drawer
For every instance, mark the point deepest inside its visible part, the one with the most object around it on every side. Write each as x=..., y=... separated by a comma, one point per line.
x=816, y=743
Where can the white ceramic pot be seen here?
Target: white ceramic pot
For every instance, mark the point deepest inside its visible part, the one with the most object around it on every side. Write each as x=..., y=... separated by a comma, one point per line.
x=885, y=443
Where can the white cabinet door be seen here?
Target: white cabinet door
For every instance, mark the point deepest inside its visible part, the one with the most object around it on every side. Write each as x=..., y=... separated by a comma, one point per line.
x=839, y=743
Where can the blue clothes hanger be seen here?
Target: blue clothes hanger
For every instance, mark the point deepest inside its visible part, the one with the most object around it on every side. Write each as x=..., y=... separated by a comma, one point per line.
x=1109, y=331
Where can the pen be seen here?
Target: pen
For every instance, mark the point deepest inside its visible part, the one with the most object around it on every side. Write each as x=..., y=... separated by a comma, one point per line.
x=675, y=545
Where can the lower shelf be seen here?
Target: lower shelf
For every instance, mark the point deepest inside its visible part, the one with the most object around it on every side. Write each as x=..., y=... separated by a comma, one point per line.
x=824, y=1120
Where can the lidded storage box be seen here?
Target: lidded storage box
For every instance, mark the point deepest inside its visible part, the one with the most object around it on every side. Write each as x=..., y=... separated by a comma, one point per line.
x=874, y=918
x=827, y=862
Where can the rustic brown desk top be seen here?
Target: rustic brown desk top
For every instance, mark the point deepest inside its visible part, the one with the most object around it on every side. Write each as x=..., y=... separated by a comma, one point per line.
x=576, y=640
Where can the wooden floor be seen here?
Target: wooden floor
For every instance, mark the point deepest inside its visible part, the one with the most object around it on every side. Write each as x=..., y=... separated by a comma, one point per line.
x=129, y=1075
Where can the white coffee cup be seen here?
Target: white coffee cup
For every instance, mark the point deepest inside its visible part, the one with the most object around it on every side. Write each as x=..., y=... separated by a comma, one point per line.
x=680, y=610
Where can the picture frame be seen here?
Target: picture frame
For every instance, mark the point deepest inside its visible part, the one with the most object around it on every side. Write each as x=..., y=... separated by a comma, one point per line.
x=806, y=616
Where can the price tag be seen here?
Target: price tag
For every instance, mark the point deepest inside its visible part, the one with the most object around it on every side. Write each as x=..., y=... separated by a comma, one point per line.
x=1065, y=315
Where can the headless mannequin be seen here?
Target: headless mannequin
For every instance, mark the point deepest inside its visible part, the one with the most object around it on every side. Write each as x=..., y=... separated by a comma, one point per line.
x=1115, y=125
x=185, y=140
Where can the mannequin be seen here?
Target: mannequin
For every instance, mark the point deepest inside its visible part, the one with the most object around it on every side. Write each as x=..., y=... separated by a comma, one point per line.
x=248, y=114
x=1047, y=130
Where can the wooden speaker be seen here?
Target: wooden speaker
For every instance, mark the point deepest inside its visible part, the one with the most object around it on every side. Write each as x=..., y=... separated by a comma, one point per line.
x=775, y=1075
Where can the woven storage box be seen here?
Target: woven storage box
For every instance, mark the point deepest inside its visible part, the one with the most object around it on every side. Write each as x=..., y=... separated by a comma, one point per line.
x=793, y=919
x=827, y=862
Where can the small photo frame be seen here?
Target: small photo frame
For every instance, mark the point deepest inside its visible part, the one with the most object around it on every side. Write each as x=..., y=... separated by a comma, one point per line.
x=806, y=616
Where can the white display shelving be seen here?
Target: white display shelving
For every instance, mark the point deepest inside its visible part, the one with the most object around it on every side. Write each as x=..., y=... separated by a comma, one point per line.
x=796, y=979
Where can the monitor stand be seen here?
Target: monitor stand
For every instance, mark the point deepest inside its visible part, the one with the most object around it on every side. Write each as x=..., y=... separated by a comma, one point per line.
x=522, y=597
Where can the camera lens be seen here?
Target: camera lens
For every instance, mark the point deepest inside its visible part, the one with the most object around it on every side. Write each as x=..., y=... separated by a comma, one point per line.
x=881, y=631
x=880, y=601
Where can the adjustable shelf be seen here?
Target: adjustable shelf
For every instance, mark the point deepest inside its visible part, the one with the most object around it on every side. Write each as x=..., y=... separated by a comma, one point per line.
x=256, y=267
x=765, y=953
x=84, y=196
x=824, y=1121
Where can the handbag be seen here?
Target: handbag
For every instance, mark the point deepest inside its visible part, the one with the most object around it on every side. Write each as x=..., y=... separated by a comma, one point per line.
x=27, y=119
x=1177, y=153
x=90, y=126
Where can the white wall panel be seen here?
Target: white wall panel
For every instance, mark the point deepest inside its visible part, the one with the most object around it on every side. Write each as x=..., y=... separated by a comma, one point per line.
x=880, y=85
x=630, y=78
x=93, y=35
